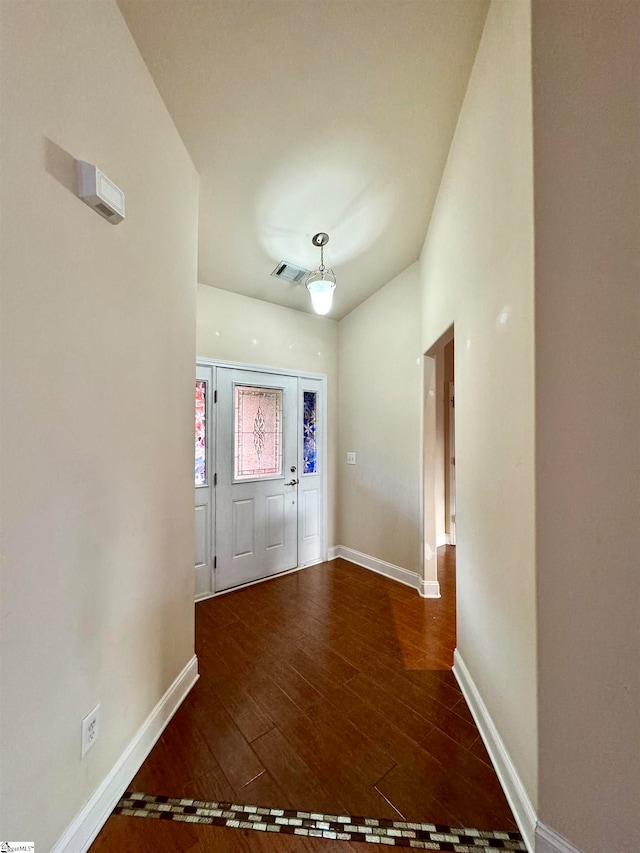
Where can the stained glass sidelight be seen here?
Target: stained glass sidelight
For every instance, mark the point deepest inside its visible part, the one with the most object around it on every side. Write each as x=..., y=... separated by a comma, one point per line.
x=201, y=432
x=309, y=437
x=257, y=432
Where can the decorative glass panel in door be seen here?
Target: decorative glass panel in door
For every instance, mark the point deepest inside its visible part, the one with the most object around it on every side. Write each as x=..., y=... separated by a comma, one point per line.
x=257, y=417
x=203, y=491
x=309, y=436
x=312, y=450
x=201, y=433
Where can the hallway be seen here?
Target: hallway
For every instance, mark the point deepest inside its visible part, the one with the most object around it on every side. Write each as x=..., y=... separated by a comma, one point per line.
x=328, y=690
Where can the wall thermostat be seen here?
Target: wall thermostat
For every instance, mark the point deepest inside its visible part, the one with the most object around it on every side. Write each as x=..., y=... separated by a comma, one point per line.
x=96, y=190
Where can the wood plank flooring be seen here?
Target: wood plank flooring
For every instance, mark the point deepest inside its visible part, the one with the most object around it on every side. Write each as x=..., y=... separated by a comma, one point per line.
x=327, y=690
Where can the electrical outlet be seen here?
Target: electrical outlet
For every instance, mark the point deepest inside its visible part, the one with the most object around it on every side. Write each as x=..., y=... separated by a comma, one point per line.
x=90, y=729
x=351, y=458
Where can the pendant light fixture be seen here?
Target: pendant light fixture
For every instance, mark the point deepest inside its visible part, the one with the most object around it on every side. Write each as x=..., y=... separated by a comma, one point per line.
x=322, y=282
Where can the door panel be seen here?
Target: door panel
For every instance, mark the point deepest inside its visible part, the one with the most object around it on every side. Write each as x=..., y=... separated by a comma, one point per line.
x=256, y=501
x=243, y=526
x=311, y=450
x=310, y=506
x=275, y=521
x=202, y=530
x=203, y=481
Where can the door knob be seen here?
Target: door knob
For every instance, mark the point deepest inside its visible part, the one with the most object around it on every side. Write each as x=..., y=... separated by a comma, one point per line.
x=292, y=483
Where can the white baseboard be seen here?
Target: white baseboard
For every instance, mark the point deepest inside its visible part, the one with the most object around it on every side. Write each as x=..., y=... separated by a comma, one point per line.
x=89, y=821
x=333, y=552
x=427, y=589
x=512, y=786
x=549, y=841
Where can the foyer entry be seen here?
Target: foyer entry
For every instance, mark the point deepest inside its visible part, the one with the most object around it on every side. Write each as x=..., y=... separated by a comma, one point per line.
x=260, y=474
x=320, y=716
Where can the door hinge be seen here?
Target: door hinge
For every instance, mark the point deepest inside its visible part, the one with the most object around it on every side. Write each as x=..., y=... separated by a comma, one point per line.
x=215, y=396
x=215, y=479
x=215, y=562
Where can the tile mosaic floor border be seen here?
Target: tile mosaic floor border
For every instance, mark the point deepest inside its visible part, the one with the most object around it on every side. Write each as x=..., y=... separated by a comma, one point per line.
x=420, y=836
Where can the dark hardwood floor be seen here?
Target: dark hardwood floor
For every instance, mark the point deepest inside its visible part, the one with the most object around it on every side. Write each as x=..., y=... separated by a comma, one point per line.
x=327, y=690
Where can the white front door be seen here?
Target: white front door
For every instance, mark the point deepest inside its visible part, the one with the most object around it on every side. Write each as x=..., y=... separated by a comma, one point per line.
x=257, y=476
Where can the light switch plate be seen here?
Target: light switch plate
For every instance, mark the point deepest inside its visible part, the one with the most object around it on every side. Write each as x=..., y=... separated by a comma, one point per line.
x=351, y=458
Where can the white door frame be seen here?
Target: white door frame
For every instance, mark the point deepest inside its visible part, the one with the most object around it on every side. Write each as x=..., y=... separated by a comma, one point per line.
x=322, y=429
x=451, y=463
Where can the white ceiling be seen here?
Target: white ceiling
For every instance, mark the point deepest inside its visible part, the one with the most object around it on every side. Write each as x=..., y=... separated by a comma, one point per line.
x=311, y=115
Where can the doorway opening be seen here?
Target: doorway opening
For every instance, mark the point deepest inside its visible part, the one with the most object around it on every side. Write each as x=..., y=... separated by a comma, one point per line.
x=439, y=456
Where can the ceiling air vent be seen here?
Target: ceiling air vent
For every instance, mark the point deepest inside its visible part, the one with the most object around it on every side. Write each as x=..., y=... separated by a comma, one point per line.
x=289, y=272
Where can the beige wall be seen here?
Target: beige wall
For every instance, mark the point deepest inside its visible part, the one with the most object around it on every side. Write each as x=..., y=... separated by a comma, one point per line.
x=232, y=327
x=586, y=99
x=476, y=269
x=97, y=409
x=380, y=410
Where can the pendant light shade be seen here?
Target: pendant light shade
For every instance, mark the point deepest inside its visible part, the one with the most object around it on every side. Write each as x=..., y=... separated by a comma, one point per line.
x=322, y=282
x=321, y=286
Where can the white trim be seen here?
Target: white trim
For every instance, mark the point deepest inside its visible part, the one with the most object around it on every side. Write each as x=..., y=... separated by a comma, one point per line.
x=427, y=589
x=549, y=841
x=81, y=832
x=259, y=368
x=442, y=539
x=332, y=553
x=512, y=786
